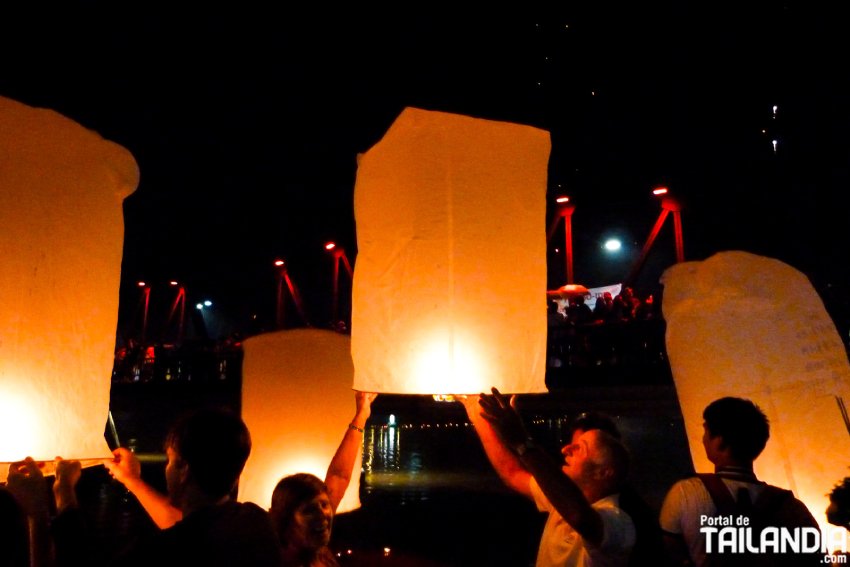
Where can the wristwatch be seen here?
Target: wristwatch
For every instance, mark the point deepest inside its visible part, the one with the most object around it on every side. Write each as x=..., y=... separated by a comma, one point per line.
x=525, y=446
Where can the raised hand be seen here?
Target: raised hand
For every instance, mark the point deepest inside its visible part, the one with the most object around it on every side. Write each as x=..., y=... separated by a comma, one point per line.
x=501, y=413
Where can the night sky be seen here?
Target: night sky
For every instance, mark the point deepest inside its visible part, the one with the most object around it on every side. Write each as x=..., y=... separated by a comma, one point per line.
x=246, y=120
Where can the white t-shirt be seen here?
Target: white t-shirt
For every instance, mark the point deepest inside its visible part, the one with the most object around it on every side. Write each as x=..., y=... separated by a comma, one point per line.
x=562, y=546
x=686, y=501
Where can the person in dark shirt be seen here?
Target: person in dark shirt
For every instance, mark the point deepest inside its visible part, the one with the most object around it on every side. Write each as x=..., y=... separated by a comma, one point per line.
x=206, y=452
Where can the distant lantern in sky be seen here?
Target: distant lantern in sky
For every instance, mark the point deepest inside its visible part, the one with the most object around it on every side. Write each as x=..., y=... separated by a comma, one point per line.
x=297, y=402
x=61, y=193
x=744, y=325
x=449, y=291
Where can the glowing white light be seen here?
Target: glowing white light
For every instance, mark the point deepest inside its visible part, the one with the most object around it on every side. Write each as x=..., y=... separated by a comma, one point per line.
x=17, y=416
x=448, y=364
x=774, y=109
x=391, y=420
x=199, y=306
x=613, y=244
x=775, y=143
x=207, y=303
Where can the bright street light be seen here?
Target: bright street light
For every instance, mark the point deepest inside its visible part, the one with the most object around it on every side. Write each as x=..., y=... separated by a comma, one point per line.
x=613, y=245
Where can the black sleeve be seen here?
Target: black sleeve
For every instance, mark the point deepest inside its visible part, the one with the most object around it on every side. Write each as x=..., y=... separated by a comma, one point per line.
x=72, y=540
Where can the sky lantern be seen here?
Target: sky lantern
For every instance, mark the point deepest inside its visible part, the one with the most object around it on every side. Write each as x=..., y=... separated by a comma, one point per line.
x=449, y=292
x=297, y=401
x=753, y=327
x=61, y=193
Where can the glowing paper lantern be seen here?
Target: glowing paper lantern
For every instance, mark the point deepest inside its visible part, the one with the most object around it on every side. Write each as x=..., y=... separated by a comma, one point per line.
x=297, y=402
x=753, y=327
x=450, y=280
x=61, y=193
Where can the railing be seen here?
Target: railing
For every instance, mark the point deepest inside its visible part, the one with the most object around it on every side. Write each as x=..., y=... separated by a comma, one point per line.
x=615, y=353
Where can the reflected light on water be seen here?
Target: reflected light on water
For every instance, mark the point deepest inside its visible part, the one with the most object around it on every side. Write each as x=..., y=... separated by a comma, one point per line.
x=381, y=449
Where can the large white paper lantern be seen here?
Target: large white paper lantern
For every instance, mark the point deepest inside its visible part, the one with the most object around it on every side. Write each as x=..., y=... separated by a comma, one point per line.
x=61, y=193
x=753, y=327
x=297, y=402
x=449, y=292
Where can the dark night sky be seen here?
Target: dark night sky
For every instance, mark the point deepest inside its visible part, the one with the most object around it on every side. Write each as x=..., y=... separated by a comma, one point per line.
x=246, y=122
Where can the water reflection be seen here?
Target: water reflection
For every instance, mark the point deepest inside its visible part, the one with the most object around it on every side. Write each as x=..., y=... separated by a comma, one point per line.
x=411, y=461
x=414, y=457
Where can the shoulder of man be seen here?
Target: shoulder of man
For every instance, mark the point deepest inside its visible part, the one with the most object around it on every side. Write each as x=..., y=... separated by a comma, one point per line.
x=787, y=509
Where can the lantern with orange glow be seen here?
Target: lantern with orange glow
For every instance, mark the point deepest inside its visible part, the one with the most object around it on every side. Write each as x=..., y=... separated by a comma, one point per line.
x=61, y=193
x=449, y=287
x=297, y=402
x=753, y=327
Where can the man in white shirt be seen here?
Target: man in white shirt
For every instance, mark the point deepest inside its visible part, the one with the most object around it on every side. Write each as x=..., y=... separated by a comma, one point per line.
x=736, y=432
x=586, y=526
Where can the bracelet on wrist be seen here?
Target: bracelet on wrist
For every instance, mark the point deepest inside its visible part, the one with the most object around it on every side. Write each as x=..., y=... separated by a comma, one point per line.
x=355, y=428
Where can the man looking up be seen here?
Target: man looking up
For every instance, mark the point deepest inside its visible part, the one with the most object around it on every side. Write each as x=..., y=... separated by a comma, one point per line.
x=585, y=526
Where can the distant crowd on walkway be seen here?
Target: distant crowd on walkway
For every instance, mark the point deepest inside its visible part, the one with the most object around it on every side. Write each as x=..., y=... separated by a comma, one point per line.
x=621, y=308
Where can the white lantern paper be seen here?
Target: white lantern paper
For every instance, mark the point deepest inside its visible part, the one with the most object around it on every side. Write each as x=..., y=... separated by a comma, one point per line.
x=449, y=293
x=753, y=327
x=297, y=402
x=61, y=193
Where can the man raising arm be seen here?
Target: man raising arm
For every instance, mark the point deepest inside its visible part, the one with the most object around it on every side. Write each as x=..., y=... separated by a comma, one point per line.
x=585, y=525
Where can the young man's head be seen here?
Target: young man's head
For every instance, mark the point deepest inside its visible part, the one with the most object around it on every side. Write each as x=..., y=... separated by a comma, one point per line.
x=736, y=431
x=206, y=449
x=838, y=512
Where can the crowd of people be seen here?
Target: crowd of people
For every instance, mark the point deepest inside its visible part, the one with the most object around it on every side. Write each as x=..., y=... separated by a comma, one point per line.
x=595, y=516
x=624, y=307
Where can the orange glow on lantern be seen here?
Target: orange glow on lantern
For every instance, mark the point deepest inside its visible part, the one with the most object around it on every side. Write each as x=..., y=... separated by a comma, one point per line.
x=449, y=287
x=297, y=402
x=744, y=325
x=61, y=212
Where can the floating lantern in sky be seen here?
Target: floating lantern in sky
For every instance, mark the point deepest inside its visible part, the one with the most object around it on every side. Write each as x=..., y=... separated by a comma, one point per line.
x=448, y=293
x=61, y=193
x=297, y=402
x=753, y=327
